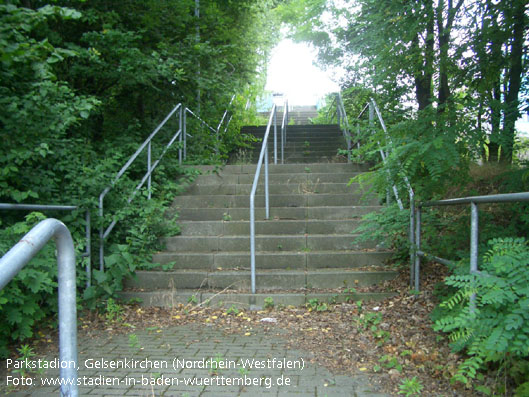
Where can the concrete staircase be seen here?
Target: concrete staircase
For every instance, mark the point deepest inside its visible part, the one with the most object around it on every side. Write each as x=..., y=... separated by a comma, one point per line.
x=305, y=144
x=304, y=251
x=299, y=115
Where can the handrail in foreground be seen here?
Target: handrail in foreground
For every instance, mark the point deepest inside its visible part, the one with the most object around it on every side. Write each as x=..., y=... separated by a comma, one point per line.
x=18, y=256
x=39, y=207
x=474, y=225
x=263, y=157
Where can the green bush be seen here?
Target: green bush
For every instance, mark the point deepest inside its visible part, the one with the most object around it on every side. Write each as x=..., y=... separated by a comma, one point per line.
x=494, y=327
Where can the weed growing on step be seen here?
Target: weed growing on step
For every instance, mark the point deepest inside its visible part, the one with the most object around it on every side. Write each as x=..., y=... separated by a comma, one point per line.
x=226, y=217
x=269, y=303
x=232, y=310
x=215, y=366
x=315, y=304
x=26, y=353
x=359, y=306
x=390, y=362
x=192, y=299
x=410, y=387
x=382, y=336
x=243, y=157
x=349, y=294
x=113, y=311
x=369, y=320
x=133, y=341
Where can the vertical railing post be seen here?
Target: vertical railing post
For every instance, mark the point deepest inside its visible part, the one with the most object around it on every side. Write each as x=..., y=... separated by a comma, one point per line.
x=185, y=132
x=338, y=112
x=416, y=272
x=88, y=249
x=101, y=233
x=252, y=242
x=286, y=125
x=180, y=137
x=275, y=136
x=358, y=135
x=413, y=248
x=266, y=182
x=474, y=237
x=283, y=127
x=217, y=142
x=349, y=147
x=149, y=153
x=67, y=311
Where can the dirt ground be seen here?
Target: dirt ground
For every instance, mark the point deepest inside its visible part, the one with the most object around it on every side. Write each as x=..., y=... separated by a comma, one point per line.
x=391, y=341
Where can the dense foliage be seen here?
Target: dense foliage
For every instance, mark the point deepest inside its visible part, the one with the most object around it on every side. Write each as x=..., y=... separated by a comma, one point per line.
x=488, y=315
x=82, y=84
x=450, y=78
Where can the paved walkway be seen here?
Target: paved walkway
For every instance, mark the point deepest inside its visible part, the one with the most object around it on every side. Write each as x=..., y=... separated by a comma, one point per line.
x=197, y=360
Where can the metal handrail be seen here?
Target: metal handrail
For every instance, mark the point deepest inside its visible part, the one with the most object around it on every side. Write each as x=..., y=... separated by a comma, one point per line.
x=224, y=117
x=373, y=109
x=216, y=131
x=263, y=156
x=182, y=135
x=284, y=124
x=39, y=207
x=474, y=225
x=103, y=233
x=341, y=115
x=18, y=256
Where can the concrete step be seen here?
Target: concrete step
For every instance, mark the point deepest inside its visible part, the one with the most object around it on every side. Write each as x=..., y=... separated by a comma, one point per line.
x=305, y=157
x=309, y=154
x=301, y=149
x=306, y=244
x=299, y=131
x=309, y=159
x=277, y=227
x=263, y=242
x=309, y=143
x=275, y=200
x=237, y=214
x=272, y=260
x=284, y=168
x=308, y=177
x=170, y=298
x=314, y=188
x=293, y=128
x=265, y=280
x=254, y=153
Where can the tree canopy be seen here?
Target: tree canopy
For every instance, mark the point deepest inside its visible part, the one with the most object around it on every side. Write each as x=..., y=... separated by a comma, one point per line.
x=82, y=84
x=458, y=57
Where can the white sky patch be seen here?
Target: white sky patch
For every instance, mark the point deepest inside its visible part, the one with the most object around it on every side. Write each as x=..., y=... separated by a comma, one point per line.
x=292, y=72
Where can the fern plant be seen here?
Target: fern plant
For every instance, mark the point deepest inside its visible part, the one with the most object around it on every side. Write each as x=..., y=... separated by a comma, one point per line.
x=495, y=327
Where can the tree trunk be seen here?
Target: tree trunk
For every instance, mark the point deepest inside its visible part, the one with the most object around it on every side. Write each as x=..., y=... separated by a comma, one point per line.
x=444, y=29
x=512, y=112
x=423, y=78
